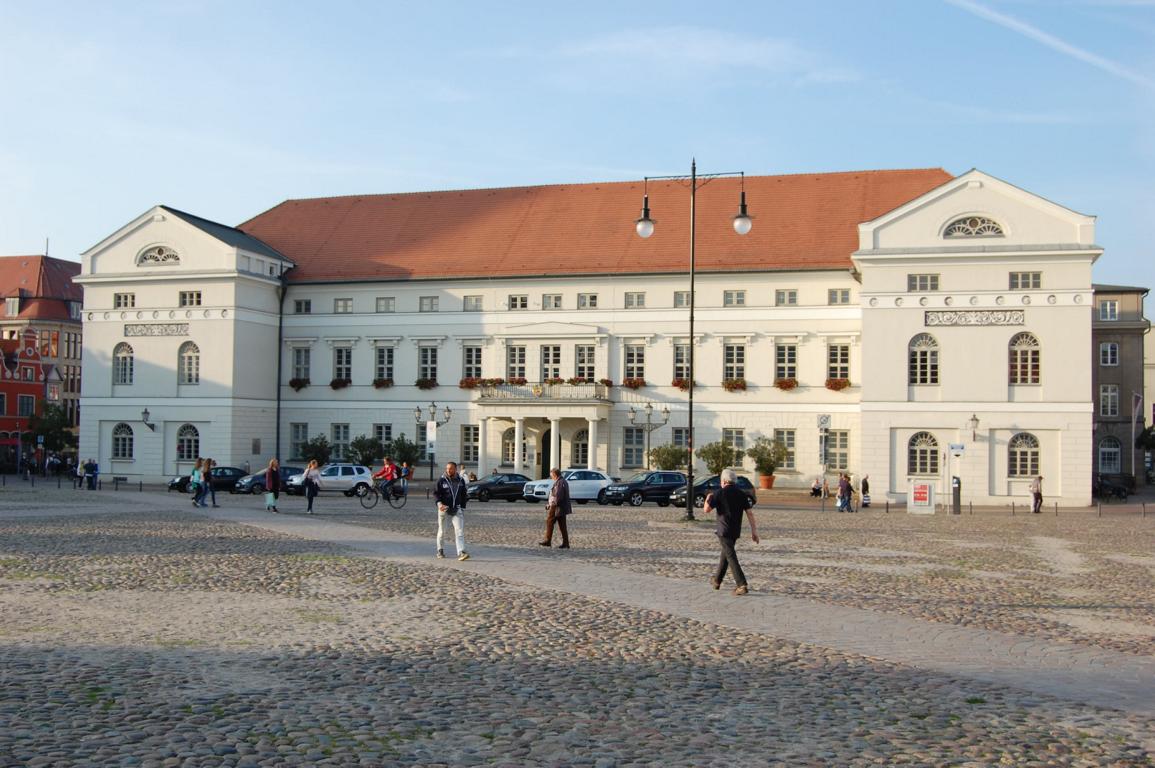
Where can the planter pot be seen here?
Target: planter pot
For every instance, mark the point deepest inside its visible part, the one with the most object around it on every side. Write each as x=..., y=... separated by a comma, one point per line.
x=766, y=482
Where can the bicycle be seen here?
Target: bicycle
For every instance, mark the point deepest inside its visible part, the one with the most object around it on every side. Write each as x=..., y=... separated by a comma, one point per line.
x=396, y=497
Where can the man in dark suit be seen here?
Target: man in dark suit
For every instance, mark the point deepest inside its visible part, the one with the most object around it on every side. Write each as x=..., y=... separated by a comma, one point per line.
x=557, y=508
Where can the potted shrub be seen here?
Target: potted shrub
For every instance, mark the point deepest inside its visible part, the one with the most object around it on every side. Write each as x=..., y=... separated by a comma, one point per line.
x=340, y=383
x=633, y=383
x=768, y=455
x=837, y=385
x=426, y=383
x=670, y=457
x=734, y=385
x=382, y=383
x=575, y=380
x=718, y=456
x=786, y=384
x=298, y=384
x=682, y=384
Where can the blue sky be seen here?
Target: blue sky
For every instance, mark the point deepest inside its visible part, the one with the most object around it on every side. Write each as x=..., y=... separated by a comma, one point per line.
x=226, y=108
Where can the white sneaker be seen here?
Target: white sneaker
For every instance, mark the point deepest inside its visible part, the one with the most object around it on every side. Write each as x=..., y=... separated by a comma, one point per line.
x=463, y=556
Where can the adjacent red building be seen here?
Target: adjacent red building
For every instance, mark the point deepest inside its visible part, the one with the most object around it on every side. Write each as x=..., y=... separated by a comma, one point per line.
x=26, y=384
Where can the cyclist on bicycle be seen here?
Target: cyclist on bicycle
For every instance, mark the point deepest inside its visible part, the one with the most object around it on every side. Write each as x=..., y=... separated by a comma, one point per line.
x=388, y=474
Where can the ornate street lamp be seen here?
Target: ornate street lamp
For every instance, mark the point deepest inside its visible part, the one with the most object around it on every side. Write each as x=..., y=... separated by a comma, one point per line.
x=650, y=425
x=645, y=226
x=418, y=417
x=144, y=416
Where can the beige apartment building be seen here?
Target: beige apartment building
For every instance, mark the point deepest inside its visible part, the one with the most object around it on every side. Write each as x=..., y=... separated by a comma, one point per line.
x=1119, y=333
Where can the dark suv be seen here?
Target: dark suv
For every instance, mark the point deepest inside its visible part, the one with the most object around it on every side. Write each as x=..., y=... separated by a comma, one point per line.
x=707, y=485
x=643, y=487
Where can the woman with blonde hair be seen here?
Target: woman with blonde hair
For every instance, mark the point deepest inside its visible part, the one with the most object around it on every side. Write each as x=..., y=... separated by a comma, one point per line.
x=312, y=484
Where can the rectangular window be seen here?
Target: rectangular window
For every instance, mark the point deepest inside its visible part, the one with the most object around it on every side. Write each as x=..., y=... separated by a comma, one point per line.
x=1109, y=353
x=1022, y=281
x=471, y=304
x=383, y=364
x=838, y=296
x=1109, y=310
x=681, y=437
x=255, y=446
x=786, y=437
x=633, y=447
x=427, y=363
x=786, y=297
x=515, y=362
x=518, y=301
x=681, y=361
x=736, y=439
x=342, y=306
x=190, y=298
x=428, y=304
x=587, y=301
x=550, y=362
x=339, y=441
x=74, y=310
x=584, y=362
x=303, y=307
x=734, y=361
x=301, y=359
x=386, y=304
x=551, y=301
x=12, y=305
x=3, y=404
x=298, y=433
x=838, y=449
x=119, y=301
x=921, y=283
x=786, y=361
x=25, y=405
x=469, y=443
x=681, y=299
x=342, y=362
x=635, y=299
x=1109, y=400
x=635, y=361
x=733, y=298
x=383, y=433
x=471, y=362
x=838, y=361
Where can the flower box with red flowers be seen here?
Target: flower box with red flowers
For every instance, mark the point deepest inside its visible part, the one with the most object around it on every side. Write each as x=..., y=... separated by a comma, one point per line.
x=573, y=381
x=837, y=385
x=382, y=383
x=633, y=383
x=734, y=385
x=682, y=384
x=516, y=381
x=786, y=384
x=298, y=384
x=340, y=383
x=425, y=383
x=606, y=382
x=469, y=382
x=554, y=380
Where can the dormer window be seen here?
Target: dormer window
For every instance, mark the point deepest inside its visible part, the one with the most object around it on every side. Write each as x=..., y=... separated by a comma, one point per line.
x=158, y=255
x=972, y=226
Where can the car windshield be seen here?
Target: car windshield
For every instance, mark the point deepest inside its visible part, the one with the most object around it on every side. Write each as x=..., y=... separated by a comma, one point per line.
x=639, y=477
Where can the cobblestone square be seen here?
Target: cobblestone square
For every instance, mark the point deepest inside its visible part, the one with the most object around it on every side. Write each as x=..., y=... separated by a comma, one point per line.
x=138, y=631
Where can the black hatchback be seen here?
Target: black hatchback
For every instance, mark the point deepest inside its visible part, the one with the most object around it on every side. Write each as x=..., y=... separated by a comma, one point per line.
x=706, y=486
x=506, y=485
x=222, y=479
x=643, y=487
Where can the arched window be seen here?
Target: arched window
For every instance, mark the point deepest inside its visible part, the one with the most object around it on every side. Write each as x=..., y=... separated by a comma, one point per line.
x=189, y=364
x=122, y=358
x=922, y=454
x=580, y=449
x=507, y=456
x=1023, y=455
x=1110, y=455
x=188, y=443
x=1024, y=359
x=972, y=226
x=122, y=441
x=923, y=366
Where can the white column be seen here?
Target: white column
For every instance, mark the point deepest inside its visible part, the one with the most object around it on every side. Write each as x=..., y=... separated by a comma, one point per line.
x=555, y=443
x=482, y=444
x=518, y=437
x=592, y=428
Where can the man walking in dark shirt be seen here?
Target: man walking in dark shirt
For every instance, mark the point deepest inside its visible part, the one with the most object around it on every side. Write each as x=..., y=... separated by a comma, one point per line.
x=728, y=503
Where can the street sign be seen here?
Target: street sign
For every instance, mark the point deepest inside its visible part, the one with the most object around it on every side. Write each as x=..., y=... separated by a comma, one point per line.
x=824, y=421
x=430, y=435
x=957, y=449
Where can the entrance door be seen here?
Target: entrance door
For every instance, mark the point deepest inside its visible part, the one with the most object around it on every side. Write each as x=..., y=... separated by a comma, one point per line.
x=545, y=465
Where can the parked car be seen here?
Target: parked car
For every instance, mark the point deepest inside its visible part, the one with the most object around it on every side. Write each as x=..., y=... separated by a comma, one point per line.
x=349, y=479
x=255, y=483
x=584, y=485
x=707, y=485
x=221, y=478
x=1110, y=487
x=508, y=486
x=645, y=486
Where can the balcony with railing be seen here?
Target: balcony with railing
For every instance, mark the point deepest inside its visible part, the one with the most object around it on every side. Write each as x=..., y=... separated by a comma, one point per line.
x=536, y=392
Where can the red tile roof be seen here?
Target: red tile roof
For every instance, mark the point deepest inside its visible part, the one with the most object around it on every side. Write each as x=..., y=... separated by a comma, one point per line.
x=44, y=284
x=800, y=222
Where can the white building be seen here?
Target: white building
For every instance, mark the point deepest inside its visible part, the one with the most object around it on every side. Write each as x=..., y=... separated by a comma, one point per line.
x=957, y=311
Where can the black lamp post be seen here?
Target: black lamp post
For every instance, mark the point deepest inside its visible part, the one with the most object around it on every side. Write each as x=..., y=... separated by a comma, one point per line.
x=417, y=415
x=650, y=425
x=644, y=226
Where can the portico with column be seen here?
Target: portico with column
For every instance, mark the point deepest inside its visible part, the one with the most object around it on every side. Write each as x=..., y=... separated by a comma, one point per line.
x=551, y=431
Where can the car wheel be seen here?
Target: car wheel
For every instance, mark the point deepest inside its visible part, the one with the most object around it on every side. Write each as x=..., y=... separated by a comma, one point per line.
x=636, y=499
x=699, y=500
x=360, y=489
x=483, y=495
x=602, y=496
x=257, y=489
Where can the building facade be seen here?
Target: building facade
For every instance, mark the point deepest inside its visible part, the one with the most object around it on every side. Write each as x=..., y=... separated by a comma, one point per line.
x=902, y=324
x=27, y=383
x=1119, y=331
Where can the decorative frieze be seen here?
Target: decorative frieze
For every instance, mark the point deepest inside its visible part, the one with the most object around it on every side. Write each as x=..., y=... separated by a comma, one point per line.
x=156, y=329
x=976, y=317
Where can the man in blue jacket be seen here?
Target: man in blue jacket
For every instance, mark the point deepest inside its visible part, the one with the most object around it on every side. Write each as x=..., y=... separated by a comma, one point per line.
x=451, y=499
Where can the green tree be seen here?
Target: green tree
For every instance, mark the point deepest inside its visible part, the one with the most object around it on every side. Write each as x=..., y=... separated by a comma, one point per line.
x=52, y=424
x=767, y=454
x=317, y=449
x=365, y=450
x=1146, y=439
x=718, y=456
x=670, y=457
x=403, y=449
